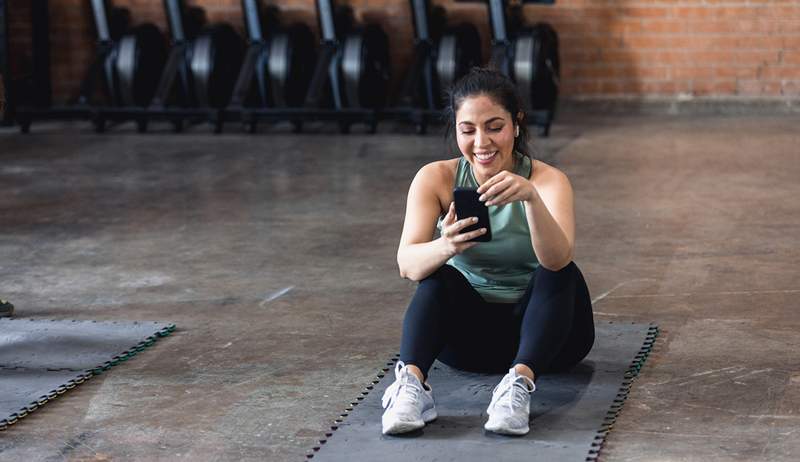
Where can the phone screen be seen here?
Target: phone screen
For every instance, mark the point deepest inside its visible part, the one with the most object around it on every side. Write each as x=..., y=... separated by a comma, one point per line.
x=468, y=205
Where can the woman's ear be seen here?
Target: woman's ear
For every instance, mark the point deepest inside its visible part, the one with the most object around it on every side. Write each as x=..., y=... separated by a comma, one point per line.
x=520, y=120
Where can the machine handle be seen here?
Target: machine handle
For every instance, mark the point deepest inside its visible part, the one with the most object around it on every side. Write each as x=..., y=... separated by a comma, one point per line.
x=326, y=24
x=101, y=19
x=253, y=24
x=175, y=17
x=420, y=10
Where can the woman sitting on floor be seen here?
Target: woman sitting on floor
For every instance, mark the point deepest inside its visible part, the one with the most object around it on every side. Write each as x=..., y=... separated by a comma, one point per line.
x=516, y=303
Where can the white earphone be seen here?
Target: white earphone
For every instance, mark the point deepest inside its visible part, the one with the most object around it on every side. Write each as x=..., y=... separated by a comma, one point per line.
x=516, y=131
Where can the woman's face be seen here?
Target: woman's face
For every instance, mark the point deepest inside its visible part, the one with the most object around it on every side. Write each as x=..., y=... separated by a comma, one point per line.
x=485, y=136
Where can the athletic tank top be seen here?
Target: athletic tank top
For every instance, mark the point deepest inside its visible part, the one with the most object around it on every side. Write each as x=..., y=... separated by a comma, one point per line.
x=500, y=269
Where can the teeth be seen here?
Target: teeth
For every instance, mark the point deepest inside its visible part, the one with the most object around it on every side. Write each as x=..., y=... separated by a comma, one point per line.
x=485, y=156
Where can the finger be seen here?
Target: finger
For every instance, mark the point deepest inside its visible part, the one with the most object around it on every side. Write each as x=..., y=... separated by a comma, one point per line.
x=462, y=246
x=491, y=182
x=496, y=189
x=461, y=224
x=470, y=235
x=488, y=183
x=450, y=217
x=504, y=197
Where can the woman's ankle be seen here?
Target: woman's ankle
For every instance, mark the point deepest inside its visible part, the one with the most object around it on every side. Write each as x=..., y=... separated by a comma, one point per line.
x=417, y=372
x=523, y=369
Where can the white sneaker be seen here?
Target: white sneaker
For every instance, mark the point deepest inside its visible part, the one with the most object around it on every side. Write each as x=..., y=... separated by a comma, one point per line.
x=408, y=404
x=509, y=410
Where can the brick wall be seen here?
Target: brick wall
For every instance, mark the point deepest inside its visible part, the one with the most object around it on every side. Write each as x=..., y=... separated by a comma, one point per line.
x=609, y=48
x=19, y=35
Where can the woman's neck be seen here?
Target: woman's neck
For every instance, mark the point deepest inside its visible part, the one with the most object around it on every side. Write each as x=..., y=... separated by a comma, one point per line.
x=510, y=167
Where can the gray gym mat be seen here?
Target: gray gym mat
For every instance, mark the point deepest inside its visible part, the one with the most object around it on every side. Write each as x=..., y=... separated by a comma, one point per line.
x=571, y=412
x=42, y=359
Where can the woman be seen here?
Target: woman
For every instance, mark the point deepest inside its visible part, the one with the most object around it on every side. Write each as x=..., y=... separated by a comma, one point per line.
x=517, y=303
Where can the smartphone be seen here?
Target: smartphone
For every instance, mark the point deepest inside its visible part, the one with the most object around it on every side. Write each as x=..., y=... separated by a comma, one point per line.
x=468, y=205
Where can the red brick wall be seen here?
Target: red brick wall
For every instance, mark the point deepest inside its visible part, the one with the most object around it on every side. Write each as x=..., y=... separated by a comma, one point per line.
x=19, y=32
x=669, y=48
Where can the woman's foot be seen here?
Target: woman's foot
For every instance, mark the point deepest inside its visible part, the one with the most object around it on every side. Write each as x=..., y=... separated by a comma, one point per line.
x=509, y=411
x=409, y=404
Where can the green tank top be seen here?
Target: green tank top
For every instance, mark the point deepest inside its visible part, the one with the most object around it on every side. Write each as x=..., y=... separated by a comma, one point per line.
x=500, y=269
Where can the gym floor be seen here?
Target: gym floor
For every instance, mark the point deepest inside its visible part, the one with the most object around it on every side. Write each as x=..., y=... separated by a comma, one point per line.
x=275, y=256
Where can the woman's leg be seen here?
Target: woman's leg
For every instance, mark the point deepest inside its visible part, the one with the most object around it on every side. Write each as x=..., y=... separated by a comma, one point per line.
x=445, y=311
x=557, y=328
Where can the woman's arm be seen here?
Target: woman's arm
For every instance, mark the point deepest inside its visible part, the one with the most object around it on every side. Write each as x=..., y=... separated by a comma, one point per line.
x=551, y=219
x=419, y=255
x=548, y=208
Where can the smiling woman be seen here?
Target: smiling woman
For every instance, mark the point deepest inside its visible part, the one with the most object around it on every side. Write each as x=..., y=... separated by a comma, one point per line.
x=516, y=303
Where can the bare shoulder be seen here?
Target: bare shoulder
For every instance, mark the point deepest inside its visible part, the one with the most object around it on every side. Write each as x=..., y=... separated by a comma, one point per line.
x=437, y=178
x=547, y=176
x=440, y=170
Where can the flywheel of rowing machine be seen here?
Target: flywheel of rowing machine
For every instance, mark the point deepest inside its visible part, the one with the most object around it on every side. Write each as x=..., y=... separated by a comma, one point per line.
x=365, y=68
x=459, y=50
x=141, y=55
x=290, y=64
x=216, y=58
x=537, y=67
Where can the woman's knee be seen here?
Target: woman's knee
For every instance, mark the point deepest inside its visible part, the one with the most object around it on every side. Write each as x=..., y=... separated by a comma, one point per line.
x=549, y=280
x=440, y=279
x=443, y=272
x=435, y=289
x=568, y=270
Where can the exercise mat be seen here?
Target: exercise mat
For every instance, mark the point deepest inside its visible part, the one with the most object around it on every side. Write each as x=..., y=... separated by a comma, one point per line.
x=571, y=413
x=42, y=359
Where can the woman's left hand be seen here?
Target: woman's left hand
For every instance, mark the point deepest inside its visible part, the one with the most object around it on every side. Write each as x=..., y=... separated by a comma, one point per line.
x=507, y=187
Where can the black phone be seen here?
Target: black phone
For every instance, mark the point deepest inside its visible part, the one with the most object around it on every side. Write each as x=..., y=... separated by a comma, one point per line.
x=468, y=205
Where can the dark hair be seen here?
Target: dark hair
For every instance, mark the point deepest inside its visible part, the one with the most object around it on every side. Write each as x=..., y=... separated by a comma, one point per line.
x=498, y=87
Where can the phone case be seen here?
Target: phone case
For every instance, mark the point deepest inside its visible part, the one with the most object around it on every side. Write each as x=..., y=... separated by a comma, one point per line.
x=468, y=205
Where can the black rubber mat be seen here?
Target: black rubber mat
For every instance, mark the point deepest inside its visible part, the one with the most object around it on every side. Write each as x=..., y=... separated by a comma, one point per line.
x=42, y=359
x=571, y=413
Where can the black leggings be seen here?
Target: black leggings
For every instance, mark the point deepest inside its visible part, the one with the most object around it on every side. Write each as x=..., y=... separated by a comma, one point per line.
x=550, y=329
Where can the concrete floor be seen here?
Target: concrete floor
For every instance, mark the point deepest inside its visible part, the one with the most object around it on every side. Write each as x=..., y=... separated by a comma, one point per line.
x=275, y=256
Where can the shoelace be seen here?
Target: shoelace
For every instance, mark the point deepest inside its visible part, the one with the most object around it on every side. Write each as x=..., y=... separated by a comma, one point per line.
x=513, y=392
x=402, y=384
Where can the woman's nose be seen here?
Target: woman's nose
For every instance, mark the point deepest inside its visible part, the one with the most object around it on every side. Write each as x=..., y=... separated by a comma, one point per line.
x=481, y=139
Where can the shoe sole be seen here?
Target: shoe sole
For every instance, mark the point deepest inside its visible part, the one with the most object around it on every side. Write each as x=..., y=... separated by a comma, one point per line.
x=405, y=427
x=430, y=415
x=508, y=431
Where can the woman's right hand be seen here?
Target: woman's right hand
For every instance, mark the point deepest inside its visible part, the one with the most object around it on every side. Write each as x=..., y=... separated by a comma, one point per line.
x=454, y=242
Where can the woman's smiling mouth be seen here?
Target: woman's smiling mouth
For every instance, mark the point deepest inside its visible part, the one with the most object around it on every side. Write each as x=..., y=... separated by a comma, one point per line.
x=485, y=157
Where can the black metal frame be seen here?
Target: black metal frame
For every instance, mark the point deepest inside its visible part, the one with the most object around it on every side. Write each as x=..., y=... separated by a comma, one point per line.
x=41, y=108
x=324, y=100
x=81, y=107
x=256, y=47
x=176, y=75
x=33, y=97
x=421, y=72
x=253, y=70
x=325, y=78
x=325, y=73
x=314, y=109
x=502, y=50
x=6, y=104
x=40, y=12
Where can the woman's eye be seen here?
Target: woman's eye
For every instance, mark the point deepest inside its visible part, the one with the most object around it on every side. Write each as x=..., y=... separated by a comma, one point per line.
x=495, y=129
x=468, y=132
